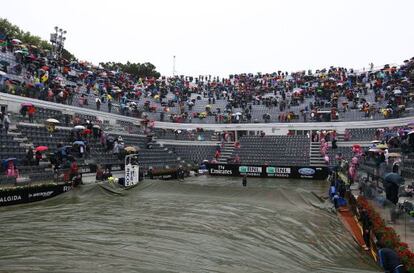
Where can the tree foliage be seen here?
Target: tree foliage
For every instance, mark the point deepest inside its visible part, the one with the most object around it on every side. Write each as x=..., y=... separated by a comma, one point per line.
x=137, y=70
x=14, y=32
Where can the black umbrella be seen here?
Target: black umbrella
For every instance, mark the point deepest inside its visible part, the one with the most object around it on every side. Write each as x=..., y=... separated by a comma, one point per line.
x=393, y=178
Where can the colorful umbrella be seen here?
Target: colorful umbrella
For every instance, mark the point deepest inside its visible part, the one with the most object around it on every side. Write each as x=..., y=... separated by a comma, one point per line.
x=41, y=148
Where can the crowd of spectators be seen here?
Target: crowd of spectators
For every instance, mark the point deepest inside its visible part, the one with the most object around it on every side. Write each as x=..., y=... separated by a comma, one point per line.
x=320, y=95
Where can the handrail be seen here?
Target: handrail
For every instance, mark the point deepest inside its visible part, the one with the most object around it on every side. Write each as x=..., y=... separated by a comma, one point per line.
x=339, y=125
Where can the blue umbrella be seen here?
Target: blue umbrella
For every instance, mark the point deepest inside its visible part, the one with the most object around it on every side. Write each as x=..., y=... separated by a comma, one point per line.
x=78, y=143
x=393, y=178
x=391, y=134
x=5, y=161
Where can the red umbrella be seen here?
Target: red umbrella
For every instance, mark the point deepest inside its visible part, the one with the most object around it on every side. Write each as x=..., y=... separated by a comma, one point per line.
x=87, y=132
x=41, y=148
x=45, y=67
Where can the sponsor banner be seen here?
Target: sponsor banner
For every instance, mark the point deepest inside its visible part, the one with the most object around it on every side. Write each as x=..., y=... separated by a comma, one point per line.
x=131, y=175
x=41, y=194
x=10, y=198
x=268, y=171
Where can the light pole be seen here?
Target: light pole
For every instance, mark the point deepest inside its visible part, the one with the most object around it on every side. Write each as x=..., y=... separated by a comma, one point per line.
x=58, y=40
x=173, y=65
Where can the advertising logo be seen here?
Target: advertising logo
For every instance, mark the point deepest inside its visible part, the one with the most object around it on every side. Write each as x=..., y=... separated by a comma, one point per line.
x=306, y=171
x=250, y=169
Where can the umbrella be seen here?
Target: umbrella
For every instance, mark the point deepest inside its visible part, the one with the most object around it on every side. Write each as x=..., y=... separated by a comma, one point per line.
x=411, y=132
x=375, y=150
x=130, y=149
x=394, y=154
x=87, y=132
x=375, y=141
x=41, y=148
x=5, y=161
x=2, y=73
x=391, y=134
x=96, y=126
x=64, y=148
x=397, y=92
x=79, y=127
x=16, y=41
x=382, y=146
x=78, y=142
x=52, y=120
x=26, y=104
x=411, y=124
x=394, y=178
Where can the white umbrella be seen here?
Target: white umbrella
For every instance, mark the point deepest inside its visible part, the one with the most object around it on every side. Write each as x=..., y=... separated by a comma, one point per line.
x=79, y=127
x=2, y=73
x=16, y=41
x=412, y=132
x=375, y=141
x=52, y=120
x=397, y=91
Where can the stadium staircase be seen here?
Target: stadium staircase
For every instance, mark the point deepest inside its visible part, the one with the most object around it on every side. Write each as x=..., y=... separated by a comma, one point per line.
x=316, y=158
x=226, y=152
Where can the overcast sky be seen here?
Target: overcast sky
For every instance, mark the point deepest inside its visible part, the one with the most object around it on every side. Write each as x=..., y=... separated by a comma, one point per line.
x=220, y=37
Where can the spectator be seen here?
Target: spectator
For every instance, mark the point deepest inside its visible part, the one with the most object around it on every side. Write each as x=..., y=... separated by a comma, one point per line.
x=31, y=112
x=38, y=157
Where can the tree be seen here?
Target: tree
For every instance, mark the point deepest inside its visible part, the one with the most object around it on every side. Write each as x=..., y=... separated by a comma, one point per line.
x=137, y=70
x=14, y=32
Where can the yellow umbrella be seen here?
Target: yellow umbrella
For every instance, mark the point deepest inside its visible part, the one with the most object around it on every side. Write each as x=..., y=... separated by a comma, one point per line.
x=130, y=149
x=394, y=155
x=382, y=146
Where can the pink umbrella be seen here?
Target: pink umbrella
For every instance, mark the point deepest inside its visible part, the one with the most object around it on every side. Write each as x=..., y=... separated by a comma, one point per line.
x=41, y=148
